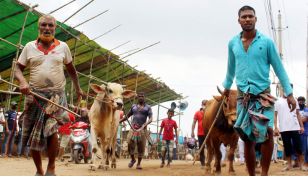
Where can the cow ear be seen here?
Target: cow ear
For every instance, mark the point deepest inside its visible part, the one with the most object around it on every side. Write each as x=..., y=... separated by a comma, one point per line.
x=128, y=93
x=218, y=98
x=97, y=88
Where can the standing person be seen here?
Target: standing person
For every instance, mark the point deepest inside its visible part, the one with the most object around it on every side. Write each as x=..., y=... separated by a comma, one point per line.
x=140, y=111
x=64, y=133
x=250, y=55
x=2, y=121
x=275, y=151
x=240, y=144
x=223, y=155
x=45, y=57
x=303, y=111
x=185, y=148
x=168, y=125
x=290, y=128
x=174, y=150
x=19, y=146
x=84, y=118
x=10, y=117
x=198, y=117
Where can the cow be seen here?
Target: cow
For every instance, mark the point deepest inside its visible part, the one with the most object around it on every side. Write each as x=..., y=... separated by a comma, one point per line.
x=222, y=131
x=104, y=117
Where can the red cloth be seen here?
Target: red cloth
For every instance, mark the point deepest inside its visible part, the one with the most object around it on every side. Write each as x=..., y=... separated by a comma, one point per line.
x=199, y=116
x=168, y=126
x=65, y=128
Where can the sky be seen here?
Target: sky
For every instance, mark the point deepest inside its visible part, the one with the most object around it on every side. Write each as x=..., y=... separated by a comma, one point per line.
x=194, y=35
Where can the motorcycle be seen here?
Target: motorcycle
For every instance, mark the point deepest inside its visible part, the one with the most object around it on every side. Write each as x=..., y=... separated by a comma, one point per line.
x=80, y=142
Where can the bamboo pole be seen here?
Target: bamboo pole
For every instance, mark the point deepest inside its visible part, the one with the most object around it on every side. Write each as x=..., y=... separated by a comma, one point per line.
x=208, y=134
x=9, y=92
x=128, y=51
x=90, y=78
x=61, y=7
x=72, y=86
x=77, y=12
x=120, y=45
x=141, y=49
x=105, y=33
x=158, y=113
x=9, y=42
x=90, y=19
x=42, y=98
x=8, y=96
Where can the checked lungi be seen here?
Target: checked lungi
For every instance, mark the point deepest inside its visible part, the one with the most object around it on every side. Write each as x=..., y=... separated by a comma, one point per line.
x=37, y=125
x=254, y=115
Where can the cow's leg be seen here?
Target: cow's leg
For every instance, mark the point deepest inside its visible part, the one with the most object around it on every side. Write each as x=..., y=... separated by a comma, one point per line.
x=102, y=164
x=113, y=161
x=218, y=155
x=210, y=156
x=94, y=148
x=230, y=156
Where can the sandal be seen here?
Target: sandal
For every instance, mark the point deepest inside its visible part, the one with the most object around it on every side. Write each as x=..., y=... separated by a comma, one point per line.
x=286, y=169
x=304, y=168
x=131, y=164
x=162, y=165
x=295, y=166
x=139, y=167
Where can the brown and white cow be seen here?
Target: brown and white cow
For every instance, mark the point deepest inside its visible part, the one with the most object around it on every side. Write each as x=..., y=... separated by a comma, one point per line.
x=104, y=118
x=222, y=131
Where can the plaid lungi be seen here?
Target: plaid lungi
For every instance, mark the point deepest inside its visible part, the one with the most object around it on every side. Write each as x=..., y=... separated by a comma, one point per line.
x=254, y=116
x=37, y=125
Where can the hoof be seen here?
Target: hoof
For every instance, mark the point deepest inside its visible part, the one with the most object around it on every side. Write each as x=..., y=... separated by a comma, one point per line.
x=91, y=167
x=217, y=172
x=232, y=173
x=106, y=168
x=113, y=166
x=207, y=170
x=100, y=166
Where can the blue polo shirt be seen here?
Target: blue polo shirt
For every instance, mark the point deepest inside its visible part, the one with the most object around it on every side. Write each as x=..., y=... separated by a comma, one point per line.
x=140, y=116
x=252, y=68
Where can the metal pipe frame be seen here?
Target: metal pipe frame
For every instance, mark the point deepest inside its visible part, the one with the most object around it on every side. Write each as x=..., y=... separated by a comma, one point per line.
x=77, y=12
x=90, y=19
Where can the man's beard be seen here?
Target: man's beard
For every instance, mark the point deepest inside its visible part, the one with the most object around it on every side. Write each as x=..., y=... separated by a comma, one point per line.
x=46, y=39
x=141, y=101
x=248, y=30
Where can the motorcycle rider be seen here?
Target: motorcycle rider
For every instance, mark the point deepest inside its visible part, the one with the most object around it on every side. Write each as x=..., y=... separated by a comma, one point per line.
x=84, y=118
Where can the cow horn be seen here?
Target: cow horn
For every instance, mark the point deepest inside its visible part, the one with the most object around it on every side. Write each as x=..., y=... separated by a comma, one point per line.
x=123, y=86
x=219, y=90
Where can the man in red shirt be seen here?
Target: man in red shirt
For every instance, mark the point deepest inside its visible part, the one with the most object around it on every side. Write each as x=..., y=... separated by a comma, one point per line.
x=64, y=133
x=168, y=125
x=198, y=117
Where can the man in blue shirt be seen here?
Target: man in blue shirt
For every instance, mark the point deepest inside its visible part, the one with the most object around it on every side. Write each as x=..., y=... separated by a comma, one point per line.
x=10, y=117
x=250, y=55
x=141, y=111
x=303, y=111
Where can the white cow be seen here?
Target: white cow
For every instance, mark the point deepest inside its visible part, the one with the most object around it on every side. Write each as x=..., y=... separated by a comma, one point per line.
x=104, y=118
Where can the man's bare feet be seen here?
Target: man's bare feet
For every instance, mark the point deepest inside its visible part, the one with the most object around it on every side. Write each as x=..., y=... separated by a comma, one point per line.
x=168, y=165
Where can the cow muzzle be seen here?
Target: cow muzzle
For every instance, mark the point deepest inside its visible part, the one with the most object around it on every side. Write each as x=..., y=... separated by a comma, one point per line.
x=232, y=117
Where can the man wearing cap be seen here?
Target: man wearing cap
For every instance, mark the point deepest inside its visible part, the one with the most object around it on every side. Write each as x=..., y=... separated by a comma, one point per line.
x=10, y=117
x=45, y=57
